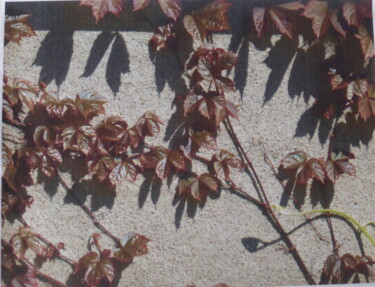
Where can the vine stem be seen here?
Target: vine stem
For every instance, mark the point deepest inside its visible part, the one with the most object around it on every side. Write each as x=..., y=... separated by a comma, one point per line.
x=88, y=212
x=268, y=207
x=71, y=262
x=39, y=273
x=44, y=276
x=361, y=228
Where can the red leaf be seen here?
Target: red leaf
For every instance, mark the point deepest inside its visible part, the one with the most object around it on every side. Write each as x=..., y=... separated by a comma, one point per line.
x=102, y=168
x=171, y=8
x=17, y=27
x=223, y=160
x=100, y=8
x=131, y=245
x=212, y=17
x=204, y=139
x=317, y=169
x=140, y=4
x=123, y=170
x=281, y=22
x=366, y=42
x=163, y=37
x=89, y=103
x=338, y=83
x=97, y=268
x=197, y=187
x=177, y=159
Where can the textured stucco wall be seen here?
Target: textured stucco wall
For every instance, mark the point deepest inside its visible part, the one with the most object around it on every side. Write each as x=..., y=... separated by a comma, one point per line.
x=228, y=240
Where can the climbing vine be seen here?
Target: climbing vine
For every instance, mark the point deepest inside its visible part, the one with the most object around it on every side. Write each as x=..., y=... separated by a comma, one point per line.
x=55, y=129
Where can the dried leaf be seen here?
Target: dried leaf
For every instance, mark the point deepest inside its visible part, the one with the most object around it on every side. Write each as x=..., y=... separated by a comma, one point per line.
x=17, y=27
x=100, y=8
x=140, y=4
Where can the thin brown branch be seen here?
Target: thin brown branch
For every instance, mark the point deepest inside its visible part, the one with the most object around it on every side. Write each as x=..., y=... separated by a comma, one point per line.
x=268, y=207
x=49, y=243
x=39, y=273
x=88, y=212
x=44, y=276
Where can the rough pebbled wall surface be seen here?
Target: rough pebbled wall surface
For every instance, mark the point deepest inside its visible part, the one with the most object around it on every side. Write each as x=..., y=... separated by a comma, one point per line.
x=228, y=240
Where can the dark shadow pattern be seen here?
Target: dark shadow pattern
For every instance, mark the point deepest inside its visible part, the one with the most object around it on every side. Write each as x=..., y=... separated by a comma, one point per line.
x=97, y=52
x=279, y=64
x=54, y=56
x=118, y=63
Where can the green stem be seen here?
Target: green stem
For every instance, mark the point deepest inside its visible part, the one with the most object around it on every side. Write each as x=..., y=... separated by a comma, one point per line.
x=361, y=228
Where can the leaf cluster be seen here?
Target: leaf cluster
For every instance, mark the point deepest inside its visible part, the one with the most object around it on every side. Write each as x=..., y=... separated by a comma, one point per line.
x=304, y=168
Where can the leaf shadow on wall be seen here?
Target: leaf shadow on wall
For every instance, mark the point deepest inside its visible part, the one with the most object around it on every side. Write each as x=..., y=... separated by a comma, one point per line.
x=97, y=52
x=118, y=63
x=54, y=55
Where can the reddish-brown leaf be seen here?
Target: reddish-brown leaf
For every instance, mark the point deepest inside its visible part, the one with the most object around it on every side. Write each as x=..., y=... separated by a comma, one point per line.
x=171, y=8
x=124, y=170
x=350, y=13
x=97, y=268
x=223, y=161
x=197, y=186
x=163, y=37
x=355, y=12
x=281, y=22
x=140, y=4
x=89, y=103
x=148, y=125
x=177, y=159
x=333, y=17
x=204, y=139
x=337, y=82
x=212, y=17
x=366, y=42
x=259, y=15
x=317, y=169
x=17, y=28
x=132, y=245
x=322, y=18
x=100, y=8
x=294, y=160
x=102, y=168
